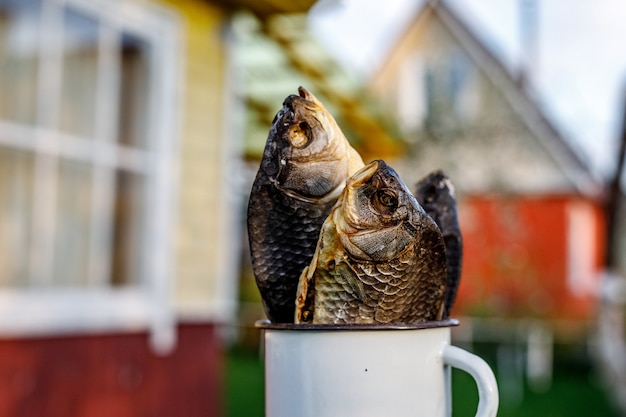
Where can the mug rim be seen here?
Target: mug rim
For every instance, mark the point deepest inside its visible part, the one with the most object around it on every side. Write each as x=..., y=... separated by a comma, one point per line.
x=268, y=325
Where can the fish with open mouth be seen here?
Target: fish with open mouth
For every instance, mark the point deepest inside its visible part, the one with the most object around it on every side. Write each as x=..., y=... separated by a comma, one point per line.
x=435, y=193
x=305, y=165
x=380, y=258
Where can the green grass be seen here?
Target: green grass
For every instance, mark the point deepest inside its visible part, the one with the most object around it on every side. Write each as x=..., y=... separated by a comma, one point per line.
x=568, y=396
x=244, y=384
x=573, y=392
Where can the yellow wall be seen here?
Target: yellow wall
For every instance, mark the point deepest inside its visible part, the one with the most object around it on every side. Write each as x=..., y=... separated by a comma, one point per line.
x=201, y=213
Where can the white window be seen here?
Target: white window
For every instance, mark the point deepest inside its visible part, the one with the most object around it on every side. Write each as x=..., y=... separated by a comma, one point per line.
x=411, y=97
x=87, y=166
x=451, y=92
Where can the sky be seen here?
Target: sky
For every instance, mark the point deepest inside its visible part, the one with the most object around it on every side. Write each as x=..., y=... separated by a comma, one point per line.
x=579, y=72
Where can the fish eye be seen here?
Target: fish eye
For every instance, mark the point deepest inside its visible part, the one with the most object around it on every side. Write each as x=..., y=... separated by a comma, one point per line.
x=299, y=135
x=385, y=201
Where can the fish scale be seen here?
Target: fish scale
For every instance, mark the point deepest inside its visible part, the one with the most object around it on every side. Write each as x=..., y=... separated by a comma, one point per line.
x=286, y=242
x=338, y=304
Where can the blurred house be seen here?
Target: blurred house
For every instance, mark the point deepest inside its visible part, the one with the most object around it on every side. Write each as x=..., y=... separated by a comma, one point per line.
x=118, y=142
x=530, y=209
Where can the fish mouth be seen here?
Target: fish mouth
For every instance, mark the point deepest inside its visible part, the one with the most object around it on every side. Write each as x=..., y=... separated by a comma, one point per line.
x=303, y=98
x=305, y=94
x=302, y=114
x=304, y=106
x=349, y=220
x=364, y=174
x=308, y=96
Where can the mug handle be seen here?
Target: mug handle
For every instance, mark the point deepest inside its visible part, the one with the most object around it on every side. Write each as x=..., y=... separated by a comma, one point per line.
x=481, y=372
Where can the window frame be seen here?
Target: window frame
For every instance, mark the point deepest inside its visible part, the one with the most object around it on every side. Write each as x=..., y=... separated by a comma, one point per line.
x=45, y=310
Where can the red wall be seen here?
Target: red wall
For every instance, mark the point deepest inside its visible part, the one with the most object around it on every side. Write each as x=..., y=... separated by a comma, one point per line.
x=516, y=256
x=111, y=376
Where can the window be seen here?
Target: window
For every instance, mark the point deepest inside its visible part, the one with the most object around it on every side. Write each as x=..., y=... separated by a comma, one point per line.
x=87, y=118
x=450, y=91
x=411, y=96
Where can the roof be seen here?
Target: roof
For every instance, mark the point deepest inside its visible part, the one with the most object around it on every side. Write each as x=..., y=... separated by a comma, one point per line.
x=517, y=95
x=266, y=8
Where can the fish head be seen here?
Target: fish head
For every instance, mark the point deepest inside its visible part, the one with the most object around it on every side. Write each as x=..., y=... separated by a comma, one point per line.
x=436, y=194
x=377, y=216
x=436, y=188
x=310, y=155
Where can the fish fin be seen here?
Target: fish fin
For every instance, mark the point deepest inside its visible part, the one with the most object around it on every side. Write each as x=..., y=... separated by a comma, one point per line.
x=454, y=260
x=442, y=313
x=305, y=296
x=349, y=275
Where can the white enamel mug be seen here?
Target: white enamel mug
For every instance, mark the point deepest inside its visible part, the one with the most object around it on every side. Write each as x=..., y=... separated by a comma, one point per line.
x=367, y=371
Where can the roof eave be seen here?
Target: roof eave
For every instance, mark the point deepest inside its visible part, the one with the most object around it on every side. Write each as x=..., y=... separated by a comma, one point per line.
x=266, y=8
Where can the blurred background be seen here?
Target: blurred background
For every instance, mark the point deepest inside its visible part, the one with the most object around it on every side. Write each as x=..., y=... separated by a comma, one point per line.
x=131, y=131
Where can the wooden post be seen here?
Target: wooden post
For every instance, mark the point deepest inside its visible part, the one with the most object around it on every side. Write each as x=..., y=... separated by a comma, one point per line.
x=612, y=205
x=611, y=352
